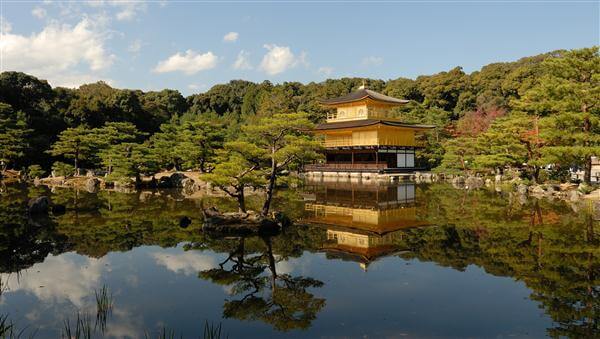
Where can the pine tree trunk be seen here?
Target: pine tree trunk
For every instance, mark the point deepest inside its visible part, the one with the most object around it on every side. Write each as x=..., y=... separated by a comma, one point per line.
x=587, y=127
x=587, y=175
x=536, y=174
x=270, y=188
x=241, y=200
x=272, y=266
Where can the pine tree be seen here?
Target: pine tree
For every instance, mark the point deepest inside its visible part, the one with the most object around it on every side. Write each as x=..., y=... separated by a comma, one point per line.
x=283, y=138
x=568, y=99
x=510, y=141
x=127, y=160
x=238, y=165
x=75, y=143
x=13, y=136
x=163, y=145
x=113, y=134
x=197, y=141
x=459, y=155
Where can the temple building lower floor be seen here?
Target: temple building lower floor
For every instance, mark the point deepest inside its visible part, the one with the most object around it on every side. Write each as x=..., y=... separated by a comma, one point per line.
x=374, y=159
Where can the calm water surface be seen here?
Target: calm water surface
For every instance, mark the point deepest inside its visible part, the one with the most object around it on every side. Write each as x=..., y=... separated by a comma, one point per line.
x=372, y=261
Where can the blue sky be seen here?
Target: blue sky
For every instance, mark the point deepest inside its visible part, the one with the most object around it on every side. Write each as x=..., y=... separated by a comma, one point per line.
x=191, y=46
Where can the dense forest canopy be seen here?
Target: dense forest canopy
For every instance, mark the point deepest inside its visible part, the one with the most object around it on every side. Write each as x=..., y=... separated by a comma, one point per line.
x=484, y=119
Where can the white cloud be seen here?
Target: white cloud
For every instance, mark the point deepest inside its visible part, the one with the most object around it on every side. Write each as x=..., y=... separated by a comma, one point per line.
x=129, y=10
x=5, y=26
x=303, y=59
x=242, y=61
x=325, y=70
x=372, y=61
x=59, y=279
x=231, y=37
x=126, y=10
x=188, y=263
x=279, y=59
x=197, y=87
x=38, y=12
x=57, y=50
x=188, y=63
x=74, y=80
x=135, y=46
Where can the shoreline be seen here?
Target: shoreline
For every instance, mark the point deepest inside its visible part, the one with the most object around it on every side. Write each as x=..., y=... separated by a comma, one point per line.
x=191, y=185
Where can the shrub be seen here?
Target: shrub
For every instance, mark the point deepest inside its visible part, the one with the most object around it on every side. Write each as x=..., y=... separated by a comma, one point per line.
x=35, y=171
x=62, y=169
x=559, y=174
x=585, y=189
x=543, y=176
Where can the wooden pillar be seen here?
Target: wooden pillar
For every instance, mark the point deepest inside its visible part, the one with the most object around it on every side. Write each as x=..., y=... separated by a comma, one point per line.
x=376, y=157
x=352, y=152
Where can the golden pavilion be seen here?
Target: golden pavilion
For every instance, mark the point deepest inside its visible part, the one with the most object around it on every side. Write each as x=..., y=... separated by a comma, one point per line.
x=363, y=222
x=360, y=135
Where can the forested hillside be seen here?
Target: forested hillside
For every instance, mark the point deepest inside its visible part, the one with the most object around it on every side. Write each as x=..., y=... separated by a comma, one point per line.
x=527, y=113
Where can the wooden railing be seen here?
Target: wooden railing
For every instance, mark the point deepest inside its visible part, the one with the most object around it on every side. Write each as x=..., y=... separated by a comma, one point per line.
x=338, y=143
x=350, y=143
x=345, y=166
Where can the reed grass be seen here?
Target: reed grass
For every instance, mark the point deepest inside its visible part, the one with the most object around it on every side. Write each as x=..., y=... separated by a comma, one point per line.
x=6, y=326
x=163, y=334
x=8, y=330
x=83, y=328
x=213, y=331
x=104, y=306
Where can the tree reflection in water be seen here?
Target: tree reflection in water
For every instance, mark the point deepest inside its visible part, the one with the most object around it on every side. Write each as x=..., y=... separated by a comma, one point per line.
x=281, y=300
x=553, y=249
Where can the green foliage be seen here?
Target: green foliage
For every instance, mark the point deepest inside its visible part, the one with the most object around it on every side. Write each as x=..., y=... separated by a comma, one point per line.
x=185, y=132
x=238, y=166
x=268, y=147
x=13, y=136
x=75, y=143
x=197, y=142
x=126, y=160
x=159, y=107
x=564, y=90
x=189, y=142
x=35, y=171
x=163, y=145
x=62, y=169
x=284, y=141
x=507, y=143
x=459, y=155
x=442, y=90
x=567, y=96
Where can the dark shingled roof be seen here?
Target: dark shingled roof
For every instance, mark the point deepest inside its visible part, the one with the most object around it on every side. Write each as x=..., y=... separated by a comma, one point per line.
x=361, y=94
x=367, y=122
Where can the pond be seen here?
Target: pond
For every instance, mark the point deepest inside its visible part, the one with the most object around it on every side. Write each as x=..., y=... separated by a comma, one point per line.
x=402, y=260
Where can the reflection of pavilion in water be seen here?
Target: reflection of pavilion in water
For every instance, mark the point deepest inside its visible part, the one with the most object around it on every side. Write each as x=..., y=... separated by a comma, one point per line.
x=364, y=222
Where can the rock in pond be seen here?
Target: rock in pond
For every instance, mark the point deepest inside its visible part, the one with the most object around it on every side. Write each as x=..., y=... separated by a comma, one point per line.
x=189, y=186
x=92, y=185
x=38, y=205
x=474, y=182
x=184, y=222
x=574, y=195
x=239, y=224
x=177, y=179
x=58, y=209
x=537, y=190
x=458, y=182
x=522, y=189
x=164, y=182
